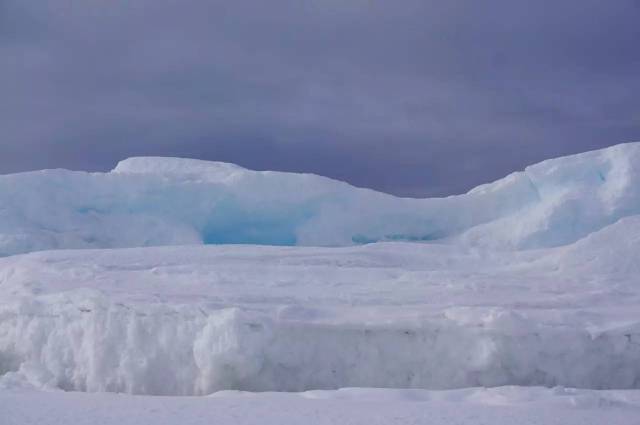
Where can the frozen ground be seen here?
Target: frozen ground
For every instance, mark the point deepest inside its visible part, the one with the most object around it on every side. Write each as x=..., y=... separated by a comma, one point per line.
x=526, y=283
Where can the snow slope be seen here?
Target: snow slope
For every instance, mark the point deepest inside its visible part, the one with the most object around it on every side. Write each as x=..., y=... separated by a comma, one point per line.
x=169, y=201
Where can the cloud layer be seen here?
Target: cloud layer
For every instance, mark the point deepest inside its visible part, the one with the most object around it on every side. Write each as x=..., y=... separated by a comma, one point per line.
x=415, y=97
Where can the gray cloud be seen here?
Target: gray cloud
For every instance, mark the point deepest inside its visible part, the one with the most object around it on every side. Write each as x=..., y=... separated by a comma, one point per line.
x=413, y=97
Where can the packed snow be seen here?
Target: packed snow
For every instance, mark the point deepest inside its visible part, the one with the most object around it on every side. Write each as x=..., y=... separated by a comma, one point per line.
x=187, y=278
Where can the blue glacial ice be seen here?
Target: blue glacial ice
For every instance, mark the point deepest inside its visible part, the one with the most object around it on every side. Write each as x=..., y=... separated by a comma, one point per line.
x=173, y=201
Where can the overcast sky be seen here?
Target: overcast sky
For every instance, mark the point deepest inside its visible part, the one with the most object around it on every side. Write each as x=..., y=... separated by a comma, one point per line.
x=415, y=98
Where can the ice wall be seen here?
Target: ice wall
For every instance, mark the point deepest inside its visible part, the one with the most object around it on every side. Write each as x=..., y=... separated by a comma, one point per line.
x=171, y=201
x=94, y=345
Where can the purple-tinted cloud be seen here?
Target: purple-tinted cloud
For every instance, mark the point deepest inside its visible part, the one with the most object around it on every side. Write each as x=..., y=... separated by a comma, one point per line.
x=414, y=97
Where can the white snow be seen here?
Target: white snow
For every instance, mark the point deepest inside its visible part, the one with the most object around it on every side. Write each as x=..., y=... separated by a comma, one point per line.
x=530, y=281
x=355, y=406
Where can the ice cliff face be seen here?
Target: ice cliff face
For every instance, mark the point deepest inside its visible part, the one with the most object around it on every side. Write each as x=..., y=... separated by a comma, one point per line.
x=171, y=201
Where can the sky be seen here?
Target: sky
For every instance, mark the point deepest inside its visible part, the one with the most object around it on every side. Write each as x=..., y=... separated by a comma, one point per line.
x=414, y=98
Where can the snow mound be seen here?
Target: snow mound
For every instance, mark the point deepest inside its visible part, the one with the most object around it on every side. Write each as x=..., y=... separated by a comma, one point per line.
x=172, y=201
x=213, y=171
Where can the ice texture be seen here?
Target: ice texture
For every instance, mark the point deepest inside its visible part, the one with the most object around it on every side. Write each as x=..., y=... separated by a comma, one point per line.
x=172, y=201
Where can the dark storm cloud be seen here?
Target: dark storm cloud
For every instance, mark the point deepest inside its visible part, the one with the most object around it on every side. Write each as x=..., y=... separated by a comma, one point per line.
x=411, y=97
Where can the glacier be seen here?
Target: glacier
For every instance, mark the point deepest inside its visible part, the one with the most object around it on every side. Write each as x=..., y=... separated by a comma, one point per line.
x=180, y=277
x=172, y=201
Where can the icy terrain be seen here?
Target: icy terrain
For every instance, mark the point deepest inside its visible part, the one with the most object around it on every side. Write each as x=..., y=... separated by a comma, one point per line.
x=530, y=281
x=168, y=201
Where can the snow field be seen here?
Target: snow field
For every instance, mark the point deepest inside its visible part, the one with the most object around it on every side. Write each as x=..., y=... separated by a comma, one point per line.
x=495, y=406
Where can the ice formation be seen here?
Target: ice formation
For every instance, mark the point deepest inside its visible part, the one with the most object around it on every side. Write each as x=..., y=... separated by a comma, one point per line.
x=168, y=201
x=531, y=280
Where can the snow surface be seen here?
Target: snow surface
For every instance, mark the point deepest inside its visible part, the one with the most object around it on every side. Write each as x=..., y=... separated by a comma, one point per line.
x=530, y=281
x=169, y=201
x=355, y=406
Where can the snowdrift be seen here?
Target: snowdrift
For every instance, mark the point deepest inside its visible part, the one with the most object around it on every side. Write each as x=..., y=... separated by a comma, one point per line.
x=169, y=201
